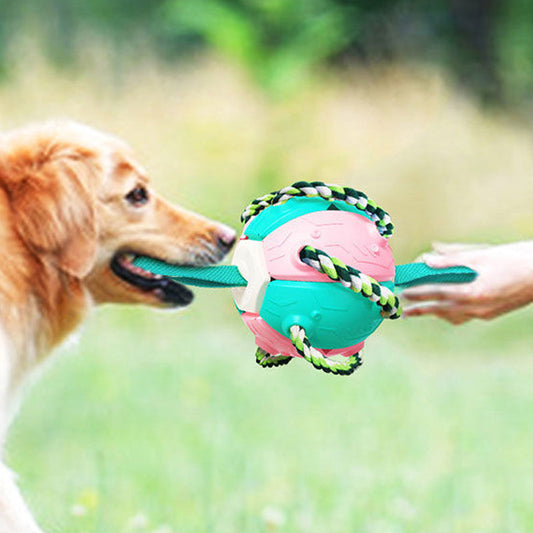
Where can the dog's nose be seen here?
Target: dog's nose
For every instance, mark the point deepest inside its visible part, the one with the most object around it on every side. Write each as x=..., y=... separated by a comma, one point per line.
x=226, y=237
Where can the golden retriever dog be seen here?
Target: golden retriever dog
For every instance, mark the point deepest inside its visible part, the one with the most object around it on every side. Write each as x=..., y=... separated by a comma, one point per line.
x=75, y=209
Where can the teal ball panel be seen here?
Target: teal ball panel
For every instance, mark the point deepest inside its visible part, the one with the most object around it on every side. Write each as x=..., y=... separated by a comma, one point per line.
x=275, y=216
x=332, y=315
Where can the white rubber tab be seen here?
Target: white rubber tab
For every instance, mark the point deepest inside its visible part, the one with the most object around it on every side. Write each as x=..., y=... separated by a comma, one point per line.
x=250, y=259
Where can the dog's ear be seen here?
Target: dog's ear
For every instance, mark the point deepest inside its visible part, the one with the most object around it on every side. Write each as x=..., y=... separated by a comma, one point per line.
x=53, y=201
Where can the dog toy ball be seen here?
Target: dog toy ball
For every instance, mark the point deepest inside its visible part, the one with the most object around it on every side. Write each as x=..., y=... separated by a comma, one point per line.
x=313, y=275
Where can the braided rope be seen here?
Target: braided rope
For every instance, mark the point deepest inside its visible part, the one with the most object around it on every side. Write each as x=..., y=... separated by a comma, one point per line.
x=353, y=279
x=319, y=361
x=329, y=192
x=267, y=360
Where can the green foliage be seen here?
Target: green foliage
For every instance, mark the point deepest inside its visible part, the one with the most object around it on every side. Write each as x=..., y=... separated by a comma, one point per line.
x=514, y=39
x=487, y=44
x=277, y=41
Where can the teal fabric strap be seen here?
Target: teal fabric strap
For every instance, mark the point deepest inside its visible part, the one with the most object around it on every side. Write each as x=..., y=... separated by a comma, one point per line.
x=413, y=274
x=407, y=275
x=213, y=277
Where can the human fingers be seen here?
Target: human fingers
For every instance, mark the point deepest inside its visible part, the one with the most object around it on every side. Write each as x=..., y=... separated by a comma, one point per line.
x=448, y=260
x=438, y=259
x=454, y=314
x=445, y=255
x=445, y=292
x=455, y=247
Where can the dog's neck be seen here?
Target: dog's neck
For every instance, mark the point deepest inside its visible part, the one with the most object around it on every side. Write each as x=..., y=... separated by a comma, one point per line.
x=55, y=306
x=32, y=328
x=37, y=318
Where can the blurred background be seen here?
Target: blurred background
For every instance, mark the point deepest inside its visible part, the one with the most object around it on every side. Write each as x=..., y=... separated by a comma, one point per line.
x=162, y=422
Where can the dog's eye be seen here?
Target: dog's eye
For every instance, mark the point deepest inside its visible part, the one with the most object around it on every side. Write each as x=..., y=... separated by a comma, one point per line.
x=137, y=196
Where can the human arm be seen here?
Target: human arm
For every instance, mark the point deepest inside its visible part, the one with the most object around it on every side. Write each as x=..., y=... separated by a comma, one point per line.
x=504, y=282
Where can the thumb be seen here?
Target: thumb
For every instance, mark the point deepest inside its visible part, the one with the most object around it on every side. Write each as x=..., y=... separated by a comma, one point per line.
x=442, y=261
x=456, y=247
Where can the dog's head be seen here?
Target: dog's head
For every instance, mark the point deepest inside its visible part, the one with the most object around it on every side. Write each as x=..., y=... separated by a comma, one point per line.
x=82, y=203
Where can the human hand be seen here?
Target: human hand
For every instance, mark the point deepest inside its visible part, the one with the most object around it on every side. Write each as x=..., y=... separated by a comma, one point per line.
x=504, y=282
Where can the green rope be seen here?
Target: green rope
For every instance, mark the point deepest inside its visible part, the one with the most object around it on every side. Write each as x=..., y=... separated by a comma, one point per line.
x=267, y=360
x=353, y=279
x=319, y=361
x=312, y=189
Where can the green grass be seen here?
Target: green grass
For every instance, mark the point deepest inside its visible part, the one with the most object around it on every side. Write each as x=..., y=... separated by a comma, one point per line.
x=168, y=415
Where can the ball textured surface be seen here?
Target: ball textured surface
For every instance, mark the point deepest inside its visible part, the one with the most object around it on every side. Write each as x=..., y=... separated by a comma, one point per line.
x=282, y=290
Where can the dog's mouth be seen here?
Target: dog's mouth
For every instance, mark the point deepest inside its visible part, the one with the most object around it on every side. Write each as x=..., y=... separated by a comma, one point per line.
x=162, y=288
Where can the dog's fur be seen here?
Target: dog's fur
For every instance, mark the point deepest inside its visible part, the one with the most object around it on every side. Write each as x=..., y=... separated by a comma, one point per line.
x=74, y=207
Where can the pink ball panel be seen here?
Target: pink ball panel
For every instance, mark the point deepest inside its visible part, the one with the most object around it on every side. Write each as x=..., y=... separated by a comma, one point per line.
x=274, y=343
x=352, y=238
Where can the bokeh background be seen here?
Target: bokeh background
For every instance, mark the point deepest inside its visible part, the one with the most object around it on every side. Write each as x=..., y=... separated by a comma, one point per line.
x=162, y=422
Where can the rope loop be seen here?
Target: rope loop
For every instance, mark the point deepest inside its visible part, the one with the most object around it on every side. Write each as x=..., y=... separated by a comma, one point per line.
x=331, y=192
x=354, y=280
x=319, y=361
x=267, y=360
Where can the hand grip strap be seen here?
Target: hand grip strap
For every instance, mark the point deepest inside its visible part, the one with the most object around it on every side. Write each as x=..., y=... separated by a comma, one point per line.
x=412, y=274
